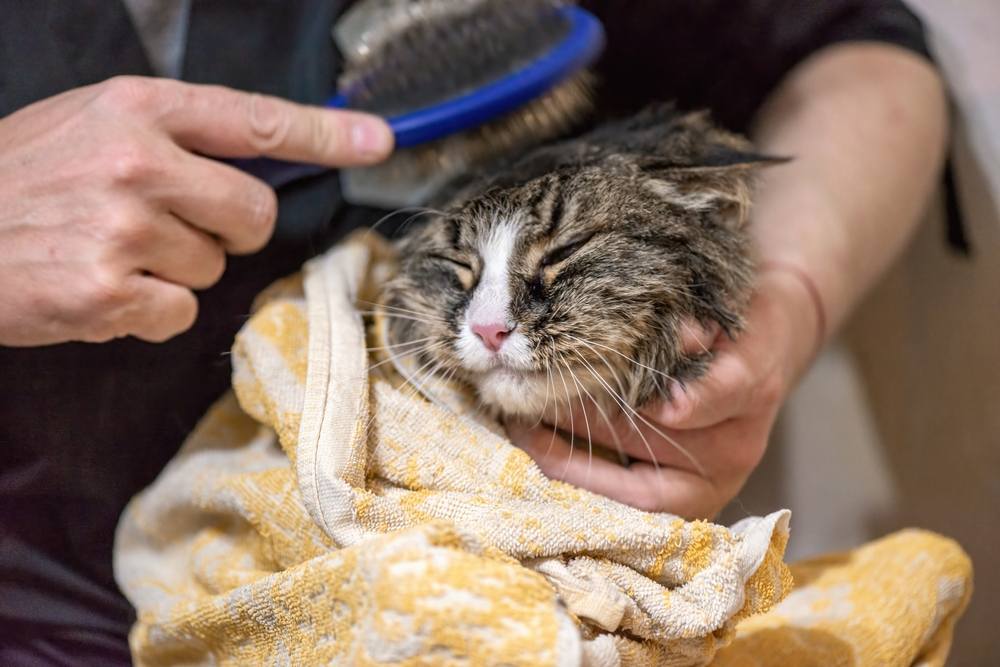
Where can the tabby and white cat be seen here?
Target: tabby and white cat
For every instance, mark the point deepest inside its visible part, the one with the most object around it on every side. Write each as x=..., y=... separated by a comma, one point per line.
x=581, y=260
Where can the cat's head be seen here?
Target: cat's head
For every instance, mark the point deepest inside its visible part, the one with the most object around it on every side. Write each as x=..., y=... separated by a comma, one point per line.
x=568, y=274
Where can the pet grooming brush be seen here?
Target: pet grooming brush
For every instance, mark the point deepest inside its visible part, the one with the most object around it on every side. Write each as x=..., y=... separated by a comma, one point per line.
x=459, y=82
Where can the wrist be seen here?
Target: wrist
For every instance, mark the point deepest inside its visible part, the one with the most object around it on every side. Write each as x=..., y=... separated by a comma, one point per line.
x=799, y=304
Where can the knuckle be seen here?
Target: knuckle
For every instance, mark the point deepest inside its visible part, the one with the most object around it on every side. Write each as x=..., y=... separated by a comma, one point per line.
x=108, y=329
x=212, y=268
x=183, y=309
x=325, y=131
x=106, y=292
x=132, y=164
x=268, y=123
x=263, y=214
x=186, y=315
x=175, y=328
x=126, y=232
x=217, y=266
x=133, y=94
x=191, y=314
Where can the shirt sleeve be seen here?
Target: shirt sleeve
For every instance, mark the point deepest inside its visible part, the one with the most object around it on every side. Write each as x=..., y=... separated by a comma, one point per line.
x=728, y=56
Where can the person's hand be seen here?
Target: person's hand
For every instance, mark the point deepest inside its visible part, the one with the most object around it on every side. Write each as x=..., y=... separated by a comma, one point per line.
x=110, y=215
x=707, y=441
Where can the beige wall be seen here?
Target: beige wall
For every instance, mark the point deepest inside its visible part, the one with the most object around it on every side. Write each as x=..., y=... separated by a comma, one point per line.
x=928, y=340
x=898, y=424
x=928, y=345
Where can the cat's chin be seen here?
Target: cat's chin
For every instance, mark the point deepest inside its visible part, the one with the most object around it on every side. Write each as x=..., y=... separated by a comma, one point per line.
x=513, y=392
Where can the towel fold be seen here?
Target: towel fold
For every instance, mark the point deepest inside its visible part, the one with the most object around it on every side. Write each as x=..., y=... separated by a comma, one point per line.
x=326, y=513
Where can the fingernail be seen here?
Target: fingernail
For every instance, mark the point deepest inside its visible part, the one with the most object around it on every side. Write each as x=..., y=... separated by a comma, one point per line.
x=371, y=137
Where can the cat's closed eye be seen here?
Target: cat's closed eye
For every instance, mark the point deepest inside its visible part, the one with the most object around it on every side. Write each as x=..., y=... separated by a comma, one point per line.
x=565, y=276
x=562, y=253
x=462, y=267
x=454, y=261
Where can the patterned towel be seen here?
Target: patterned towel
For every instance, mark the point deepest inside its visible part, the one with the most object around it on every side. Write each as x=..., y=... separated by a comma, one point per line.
x=335, y=515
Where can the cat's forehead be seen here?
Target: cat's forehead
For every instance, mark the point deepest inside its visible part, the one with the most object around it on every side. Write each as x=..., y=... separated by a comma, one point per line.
x=543, y=208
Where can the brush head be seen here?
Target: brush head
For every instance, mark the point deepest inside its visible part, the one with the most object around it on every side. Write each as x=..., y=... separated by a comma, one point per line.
x=443, y=53
x=418, y=54
x=420, y=175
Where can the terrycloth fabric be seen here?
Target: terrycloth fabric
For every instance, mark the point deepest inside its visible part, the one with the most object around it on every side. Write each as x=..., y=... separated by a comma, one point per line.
x=335, y=515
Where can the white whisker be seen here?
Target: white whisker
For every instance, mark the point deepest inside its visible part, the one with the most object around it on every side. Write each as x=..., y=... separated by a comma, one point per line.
x=404, y=344
x=408, y=353
x=621, y=402
x=676, y=445
x=607, y=364
x=586, y=420
x=624, y=356
x=555, y=405
x=414, y=380
x=572, y=426
x=545, y=405
x=622, y=456
x=399, y=316
x=420, y=210
x=691, y=331
x=398, y=309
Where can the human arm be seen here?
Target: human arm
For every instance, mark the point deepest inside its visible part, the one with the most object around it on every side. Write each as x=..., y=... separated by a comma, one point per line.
x=110, y=215
x=866, y=124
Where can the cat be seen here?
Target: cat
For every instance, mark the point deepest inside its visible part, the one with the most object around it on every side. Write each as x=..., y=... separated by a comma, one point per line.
x=581, y=260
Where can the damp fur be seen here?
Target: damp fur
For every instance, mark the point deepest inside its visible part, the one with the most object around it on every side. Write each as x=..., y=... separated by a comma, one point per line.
x=612, y=241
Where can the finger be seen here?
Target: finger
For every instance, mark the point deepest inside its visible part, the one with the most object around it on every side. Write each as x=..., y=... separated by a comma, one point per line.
x=166, y=310
x=221, y=200
x=149, y=309
x=698, y=338
x=641, y=485
x=180, y=254
x=635, y=435
x=229, y=123
x=722, y=393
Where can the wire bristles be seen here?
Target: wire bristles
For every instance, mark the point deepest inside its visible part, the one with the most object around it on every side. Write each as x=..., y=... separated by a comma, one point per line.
x=413, y=176
x=447, y=55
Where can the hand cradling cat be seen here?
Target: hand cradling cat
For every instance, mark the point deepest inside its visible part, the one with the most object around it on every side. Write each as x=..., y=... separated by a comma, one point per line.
x=572, y=273
x=358, y=502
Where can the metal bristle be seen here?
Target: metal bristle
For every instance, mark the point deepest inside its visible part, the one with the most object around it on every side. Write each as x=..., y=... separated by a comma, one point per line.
x=415, y=175
x=445, y=55
x=370, y=24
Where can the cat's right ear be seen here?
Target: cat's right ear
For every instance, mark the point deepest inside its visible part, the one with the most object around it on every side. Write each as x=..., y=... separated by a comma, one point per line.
x=714, y=158
x=717, y=181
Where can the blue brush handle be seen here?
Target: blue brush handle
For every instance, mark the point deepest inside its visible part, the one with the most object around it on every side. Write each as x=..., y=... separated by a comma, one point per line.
x=583, y=43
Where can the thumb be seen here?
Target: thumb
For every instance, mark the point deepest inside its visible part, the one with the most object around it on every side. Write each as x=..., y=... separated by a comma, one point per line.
x=722, y=393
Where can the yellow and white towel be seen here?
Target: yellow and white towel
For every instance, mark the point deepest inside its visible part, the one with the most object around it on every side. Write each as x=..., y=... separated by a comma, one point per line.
x=327, y=515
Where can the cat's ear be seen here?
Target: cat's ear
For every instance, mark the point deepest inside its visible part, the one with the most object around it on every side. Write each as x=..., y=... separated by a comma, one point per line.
x=717, y=180
x=713, y=158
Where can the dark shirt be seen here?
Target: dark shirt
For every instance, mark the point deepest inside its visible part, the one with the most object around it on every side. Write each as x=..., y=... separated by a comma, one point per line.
x=85, y=427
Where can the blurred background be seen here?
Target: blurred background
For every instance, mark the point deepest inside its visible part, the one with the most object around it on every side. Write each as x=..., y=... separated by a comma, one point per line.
x=898, y=424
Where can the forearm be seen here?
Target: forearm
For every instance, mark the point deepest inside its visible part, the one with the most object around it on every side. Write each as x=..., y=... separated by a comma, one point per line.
x=866, y=125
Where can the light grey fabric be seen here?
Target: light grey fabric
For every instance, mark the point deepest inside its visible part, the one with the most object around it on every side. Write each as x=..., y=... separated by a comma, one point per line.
x=963, y=39
x=162, y=26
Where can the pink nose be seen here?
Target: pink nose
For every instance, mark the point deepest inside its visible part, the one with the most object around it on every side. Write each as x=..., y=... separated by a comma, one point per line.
x=492, y=335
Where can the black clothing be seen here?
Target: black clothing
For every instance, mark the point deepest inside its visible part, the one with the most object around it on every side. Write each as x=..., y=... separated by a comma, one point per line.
x=728, y=56
x=85, y=427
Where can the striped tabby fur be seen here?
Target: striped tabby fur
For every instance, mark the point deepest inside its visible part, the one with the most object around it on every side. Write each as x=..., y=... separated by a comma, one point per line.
x=590, y=252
